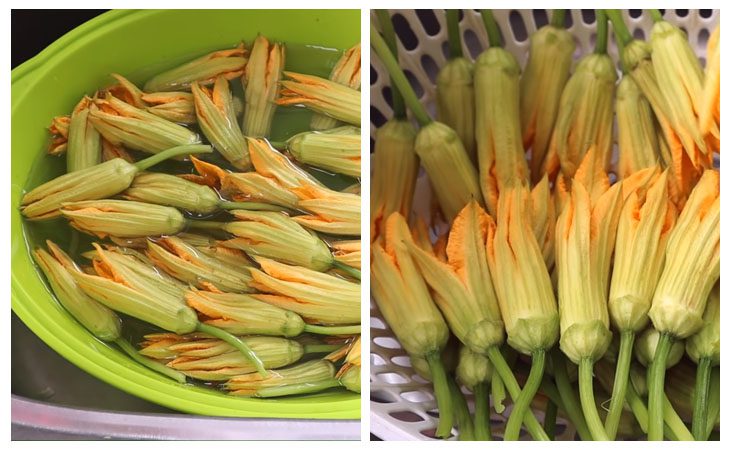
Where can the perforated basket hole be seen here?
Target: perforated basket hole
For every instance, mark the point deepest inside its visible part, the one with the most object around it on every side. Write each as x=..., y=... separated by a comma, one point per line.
x=702, y=37
x=377, y=322
x=472, y=43
x=635, y=13
x=373, y=76
x=392, y=378
x=705, y=13
x=401, y=360
x=382, y=396
x=639, y=34
x=405, y=32
x=376, y=117
x=541, y=18
x=386, y=342
x=588, y=15
x=377, y=360
x=430, y=67
x=417, y=396
x=429, y=21
x=406, y=416
x=519, y=30
x=417, y=87
x=681, y=12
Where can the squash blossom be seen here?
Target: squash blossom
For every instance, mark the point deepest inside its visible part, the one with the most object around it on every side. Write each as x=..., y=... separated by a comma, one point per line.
x=260, y=80
x=345, y=72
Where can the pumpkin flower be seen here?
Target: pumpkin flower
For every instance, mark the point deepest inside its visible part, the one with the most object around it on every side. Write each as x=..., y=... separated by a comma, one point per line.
x=541, y=86
x=176, y=107
x=524, y=293
x=255, y=385
x=345, y=72
x=498, y=134
x=260, y=80
x=227, y=63
x=709, y=113
x=84, y=143
x=328, y=211
x=403, y=298
x=347, y=252
x=196, y=267
x=317, y=297
x=59, y=135
x=200, y=357
x=691, y=269
x=270, y=163
x=335, y=150
x=93, y=183
x=217, y=120
x=124, y=124
x=321, y=96
x=394, y=171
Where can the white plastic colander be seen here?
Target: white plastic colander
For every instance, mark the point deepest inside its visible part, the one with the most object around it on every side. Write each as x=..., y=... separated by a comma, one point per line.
x=402, y=404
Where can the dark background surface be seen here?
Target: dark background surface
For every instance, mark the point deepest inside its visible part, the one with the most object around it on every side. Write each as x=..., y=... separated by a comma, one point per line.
x=32, y=30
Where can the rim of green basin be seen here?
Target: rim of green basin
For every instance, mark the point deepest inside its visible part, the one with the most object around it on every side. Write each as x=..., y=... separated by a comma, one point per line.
x=35, y=306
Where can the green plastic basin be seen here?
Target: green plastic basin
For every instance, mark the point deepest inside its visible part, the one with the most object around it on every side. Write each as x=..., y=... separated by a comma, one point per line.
x=139, y=44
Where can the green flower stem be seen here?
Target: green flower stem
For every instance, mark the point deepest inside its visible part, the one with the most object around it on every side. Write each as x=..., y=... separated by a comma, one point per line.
x=149, y=363
x=623, y=35
x=498, y=393
x=171, y=153
x=638, y=408
x=495, y=37
x=551, y=417
x=620, y=381
x=237, y=344
x=674, y=422
x=443, y=396
x=250, y=206
x=332, y=331
x=510, y=382
x=297, y=389
x=482, y=425
x=522, y=404
x=452, y=26
x=279, y=145
x=461, y=411
x=353, y=272
x=588, y=403
x=571, y=405
x=320, y=348
x=398, y=78
x=700, y=398
x=656, y=15
x=657, y=371
x=399, y=108
x=205, y=224
x=549, y=388
x=602, y=32
x=714, y=403
x=558, y=19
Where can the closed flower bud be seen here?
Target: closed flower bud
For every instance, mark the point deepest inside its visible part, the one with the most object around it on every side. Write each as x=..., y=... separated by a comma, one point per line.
x=217, y=120
x=455, y=100
x=347, y=252
x=226, y=63
x=58, y=267
x=193, y=266
x=249, y=385
x=637, y=134
x=328, y=211
x=170, y=190
x=173, y=106
x=241, y=314
x=646, y=345
x=709, y=113
x=498, y=133
x=336, y=150
x=260, y=79
x=473, y=368
x=84, y=142
x=585, y=115
x=542, y=83
x=59, y=135
x=123, y=124
x=251, y=186
x=706, y=342
x=122, y=218
x=692, y=262
x=394, y=171
x=317, y=297
x=272, y=164
x=277, y=236
x=321, y=96
x=453, y=176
